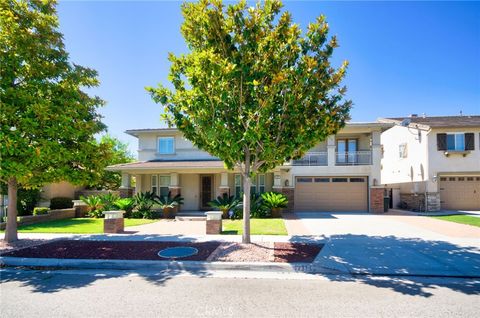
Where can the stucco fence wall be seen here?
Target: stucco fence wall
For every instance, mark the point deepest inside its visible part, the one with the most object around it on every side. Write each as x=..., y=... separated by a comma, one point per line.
x=52, y=215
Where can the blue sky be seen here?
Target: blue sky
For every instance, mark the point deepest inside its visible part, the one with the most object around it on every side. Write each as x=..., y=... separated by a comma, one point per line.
x=405, y=57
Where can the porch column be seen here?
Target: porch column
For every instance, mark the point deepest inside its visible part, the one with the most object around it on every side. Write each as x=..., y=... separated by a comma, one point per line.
x=138, y=183
x=331, y=147
x=376, y=156
x=125, y=190
x=224, y=187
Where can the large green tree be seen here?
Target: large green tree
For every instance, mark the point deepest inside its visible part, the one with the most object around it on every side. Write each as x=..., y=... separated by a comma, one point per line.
x=47, y=119
x=253, y=90
x=117, y=152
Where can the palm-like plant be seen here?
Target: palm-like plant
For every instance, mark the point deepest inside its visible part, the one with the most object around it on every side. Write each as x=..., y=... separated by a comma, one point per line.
x=274, y=202
x=167, y=203
x=224, y=203
x=95, y=205
x=109, y=200
x=125, y=204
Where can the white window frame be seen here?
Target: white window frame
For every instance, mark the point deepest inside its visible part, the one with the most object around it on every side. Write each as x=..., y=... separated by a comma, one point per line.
x=403, y=151
x=159, y=150
x=238, y=185
x=154, y=184
x=163, y=184
x=261, y=183
x=455, y=134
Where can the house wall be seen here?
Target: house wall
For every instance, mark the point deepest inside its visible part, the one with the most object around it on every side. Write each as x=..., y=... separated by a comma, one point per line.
x=414, y=167
x=439, y=163
x=184, y=149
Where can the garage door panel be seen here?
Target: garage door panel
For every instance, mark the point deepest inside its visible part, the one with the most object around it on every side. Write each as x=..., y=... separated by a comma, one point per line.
x=460, y=193
x=331, y=196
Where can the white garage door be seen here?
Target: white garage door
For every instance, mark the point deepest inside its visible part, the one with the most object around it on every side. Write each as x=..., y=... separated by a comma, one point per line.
x=331, y=194
x=460, y=193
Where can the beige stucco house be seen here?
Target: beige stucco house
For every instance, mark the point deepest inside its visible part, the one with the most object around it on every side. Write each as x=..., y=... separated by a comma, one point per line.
x=437, y=158
x=340, y=174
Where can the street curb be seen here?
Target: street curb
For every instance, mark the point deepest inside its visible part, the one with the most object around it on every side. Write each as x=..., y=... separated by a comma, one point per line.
x=189, y=266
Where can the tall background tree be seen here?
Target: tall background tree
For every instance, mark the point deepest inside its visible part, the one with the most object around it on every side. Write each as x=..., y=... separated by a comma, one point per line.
x=47, y=119
x=253, y=91
x=116, y=152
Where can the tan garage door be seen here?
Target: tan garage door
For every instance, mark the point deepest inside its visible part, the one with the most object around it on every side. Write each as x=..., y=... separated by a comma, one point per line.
x=331, y=194
x=460, y=193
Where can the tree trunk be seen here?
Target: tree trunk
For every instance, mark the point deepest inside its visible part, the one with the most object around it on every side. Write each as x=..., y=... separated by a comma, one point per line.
x=11, y=229
x=246, y=208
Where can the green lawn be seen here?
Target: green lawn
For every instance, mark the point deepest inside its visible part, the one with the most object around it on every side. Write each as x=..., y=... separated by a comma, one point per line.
x=257, y=227
x=77, y=226
x=464, y=219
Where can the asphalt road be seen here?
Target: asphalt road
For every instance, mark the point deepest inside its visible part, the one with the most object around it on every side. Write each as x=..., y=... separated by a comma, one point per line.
x=119, y=294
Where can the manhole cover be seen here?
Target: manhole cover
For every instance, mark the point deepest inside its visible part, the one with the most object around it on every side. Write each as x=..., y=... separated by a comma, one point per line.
x=178, y=252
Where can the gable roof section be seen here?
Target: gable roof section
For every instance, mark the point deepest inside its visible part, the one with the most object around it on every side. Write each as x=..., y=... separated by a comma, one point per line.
x=438, y=121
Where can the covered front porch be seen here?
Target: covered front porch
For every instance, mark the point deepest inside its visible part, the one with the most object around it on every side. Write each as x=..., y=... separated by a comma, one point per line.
x=198, y=182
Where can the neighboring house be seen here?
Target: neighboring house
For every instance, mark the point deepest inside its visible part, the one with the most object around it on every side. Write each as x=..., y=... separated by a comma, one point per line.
x=339, y=174
x=58, y=189
x=437, y=158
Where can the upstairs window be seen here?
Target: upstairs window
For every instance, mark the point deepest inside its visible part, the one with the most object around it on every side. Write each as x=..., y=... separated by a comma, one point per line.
x=456, y=141
x=166, y=145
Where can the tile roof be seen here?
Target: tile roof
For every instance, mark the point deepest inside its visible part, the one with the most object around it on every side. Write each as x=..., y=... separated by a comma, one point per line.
x=441, y=121
x=170, y=164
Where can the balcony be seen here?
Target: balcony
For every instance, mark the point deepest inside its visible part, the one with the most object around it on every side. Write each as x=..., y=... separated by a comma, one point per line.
x=353, y=158
x=312, y=159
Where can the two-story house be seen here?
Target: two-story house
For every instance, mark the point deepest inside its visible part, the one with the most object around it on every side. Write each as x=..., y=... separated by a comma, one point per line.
x=433, y=163
x=339, y=174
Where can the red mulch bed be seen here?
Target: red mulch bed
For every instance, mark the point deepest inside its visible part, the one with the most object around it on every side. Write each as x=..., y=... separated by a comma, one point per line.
x=138, y=250
x=296, y=252
x=111, y=250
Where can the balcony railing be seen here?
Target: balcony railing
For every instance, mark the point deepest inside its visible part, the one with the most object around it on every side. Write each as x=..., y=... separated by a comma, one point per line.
x=353, y=158
x=312, y=159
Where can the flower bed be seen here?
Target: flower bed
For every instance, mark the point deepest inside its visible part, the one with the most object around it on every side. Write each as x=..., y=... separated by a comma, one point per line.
x=139, y=250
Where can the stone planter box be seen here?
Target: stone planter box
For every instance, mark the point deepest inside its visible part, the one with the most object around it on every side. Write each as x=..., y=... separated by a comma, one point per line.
x=113, y=222
x=214, y=222
x=52, y=215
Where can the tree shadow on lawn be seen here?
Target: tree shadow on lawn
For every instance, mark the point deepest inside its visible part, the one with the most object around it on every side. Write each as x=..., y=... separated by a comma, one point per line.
x=412, y=265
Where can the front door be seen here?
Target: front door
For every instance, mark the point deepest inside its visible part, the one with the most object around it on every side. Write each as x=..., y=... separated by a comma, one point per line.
x=206, y=191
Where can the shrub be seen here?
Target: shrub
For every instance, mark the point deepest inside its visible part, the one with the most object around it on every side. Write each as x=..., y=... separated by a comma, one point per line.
x=257, y=210
x=40, y=210
x=27, y=199
x=274, y=200
x=61, y=203
x=144, y=202
x=125, y=204
x=108, y=201
x=94, y=204
x=224, y=203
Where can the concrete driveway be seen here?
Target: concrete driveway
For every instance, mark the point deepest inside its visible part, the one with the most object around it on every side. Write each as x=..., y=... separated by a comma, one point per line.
x=363, y=243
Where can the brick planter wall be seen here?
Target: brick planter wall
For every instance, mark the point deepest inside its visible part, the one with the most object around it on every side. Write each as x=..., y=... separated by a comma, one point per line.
x=413, y=201
x=376, y=200
x=214, y=226
x=52, y=215
x=125, y=192
x=113, y=225
x=290, y=194
x=173, y=193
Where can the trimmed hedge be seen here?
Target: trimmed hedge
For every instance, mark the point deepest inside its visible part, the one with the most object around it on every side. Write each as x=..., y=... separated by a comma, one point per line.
x=40, y=211
x=61, y=203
